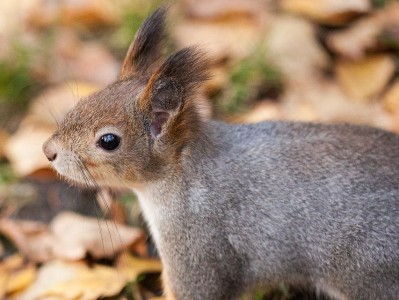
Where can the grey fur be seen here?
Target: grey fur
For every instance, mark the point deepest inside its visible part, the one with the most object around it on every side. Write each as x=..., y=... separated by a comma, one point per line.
x=308, y=204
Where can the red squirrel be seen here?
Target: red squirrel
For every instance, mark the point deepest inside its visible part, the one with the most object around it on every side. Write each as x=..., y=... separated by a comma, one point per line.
x=235, y=207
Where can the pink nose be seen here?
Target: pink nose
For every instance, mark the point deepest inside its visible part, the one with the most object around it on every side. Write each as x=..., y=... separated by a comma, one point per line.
x=50, y=150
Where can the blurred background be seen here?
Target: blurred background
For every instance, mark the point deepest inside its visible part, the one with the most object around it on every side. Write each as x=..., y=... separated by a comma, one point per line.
x=308, y=60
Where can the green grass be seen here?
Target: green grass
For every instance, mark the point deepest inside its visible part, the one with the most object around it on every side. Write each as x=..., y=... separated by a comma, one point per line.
x=16, y=82
x=6, y=174
x=381, y=3
x=132, y=17
x=251, y=79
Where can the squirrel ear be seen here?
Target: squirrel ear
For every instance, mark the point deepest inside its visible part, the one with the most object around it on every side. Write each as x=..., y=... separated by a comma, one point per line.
x=166, y=98
x=171, y=90
x=145, y=50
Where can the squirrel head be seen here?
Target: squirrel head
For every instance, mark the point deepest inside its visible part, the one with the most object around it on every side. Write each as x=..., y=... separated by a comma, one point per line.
x=139, y=126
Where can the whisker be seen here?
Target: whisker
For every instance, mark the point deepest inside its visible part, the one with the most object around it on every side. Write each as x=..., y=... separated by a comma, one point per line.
x=52, y=112
x=98, y=209
x=93, y=181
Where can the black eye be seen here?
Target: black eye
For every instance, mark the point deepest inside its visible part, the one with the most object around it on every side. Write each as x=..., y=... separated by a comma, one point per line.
x=109, y=141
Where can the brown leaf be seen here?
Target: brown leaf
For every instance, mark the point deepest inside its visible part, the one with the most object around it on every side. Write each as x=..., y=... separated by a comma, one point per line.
x=77, y=235
x=324, y=101
x=366, y=78
x=222, y=9
x=219, y=39
x=74, y=280
x=331, y=12
x=83, y=61
x=293, y=47
x=261, y=112
x=363, y=34
x=15, y=275
x=391, y=97
x=3, y=140
x=31, y=238
x=131, y=267
x=86, y=12
x=70, y=236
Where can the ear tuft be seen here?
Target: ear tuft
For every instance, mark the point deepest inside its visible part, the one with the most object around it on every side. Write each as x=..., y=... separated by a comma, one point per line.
x=145, y=50
x=170, y=93
x=184, y=71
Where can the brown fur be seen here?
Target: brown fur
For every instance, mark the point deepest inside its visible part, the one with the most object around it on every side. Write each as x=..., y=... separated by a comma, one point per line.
x=145, y=51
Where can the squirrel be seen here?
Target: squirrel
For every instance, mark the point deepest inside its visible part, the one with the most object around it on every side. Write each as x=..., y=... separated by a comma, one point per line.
x=236, y=207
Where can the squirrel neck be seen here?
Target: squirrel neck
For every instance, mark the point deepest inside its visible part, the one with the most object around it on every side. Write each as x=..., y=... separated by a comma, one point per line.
x=164, y=198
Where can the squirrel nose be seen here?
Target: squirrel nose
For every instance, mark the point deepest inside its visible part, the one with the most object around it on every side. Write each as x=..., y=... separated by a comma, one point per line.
x=50, y=150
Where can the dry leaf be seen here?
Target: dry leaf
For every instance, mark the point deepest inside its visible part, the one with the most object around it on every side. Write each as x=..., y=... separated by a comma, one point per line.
x=131, y=267
x=31, y=238
x=222, y=9
x=4, y=276
x=366, y=78
x=219, y=39
x=25, y=152
x=324, y=101
x=89, y=283
x=74, y=280
x=332, y=12
x=3, y=140
x=354, y=42
x=83, y=61
x=362, y=36
x=70, y=236
x=391, y=97
x=21, y=279
x=292, y=46
x=15, y=275
x=261, y=112
x=85, y=12
x=77, y=235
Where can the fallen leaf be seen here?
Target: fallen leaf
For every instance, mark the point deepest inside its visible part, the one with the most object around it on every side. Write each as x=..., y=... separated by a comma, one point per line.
x=25, y=152
x=15, y=275
x=331, y=12
x=4, y=277
x=366, y=78
x=70, y=236
x=263, y=111
x=84, y=61
x=363, y=34
x=391, y=97
x=21, y=279
x=300, y=57
x=3, y=140
x=77, y=235
x=222, y=9
x=131, y=267
x=88, y=13
x=325, y=101
x=219, y=38
x=74, y=280
x=98, y=281
x=31, y=238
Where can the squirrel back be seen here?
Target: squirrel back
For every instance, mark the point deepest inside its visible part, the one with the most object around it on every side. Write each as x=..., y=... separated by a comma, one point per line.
x=232, y=207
